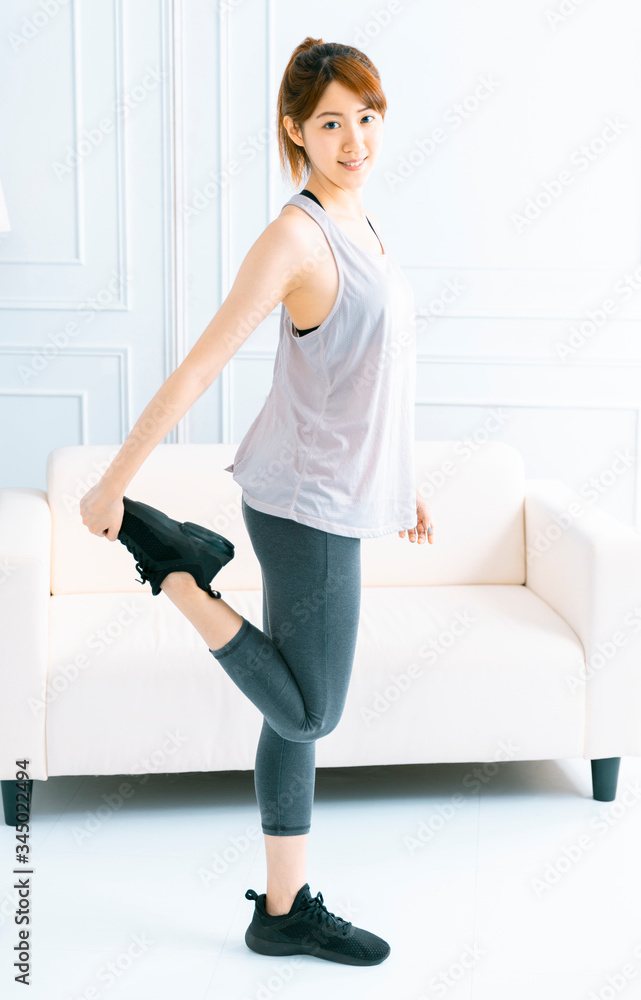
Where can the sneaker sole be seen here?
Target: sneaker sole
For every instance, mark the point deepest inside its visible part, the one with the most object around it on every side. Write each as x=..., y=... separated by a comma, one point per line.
x=277, y=948
x=221, y=546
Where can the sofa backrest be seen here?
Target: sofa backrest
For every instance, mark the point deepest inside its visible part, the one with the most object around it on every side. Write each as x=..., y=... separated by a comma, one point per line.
x=475, y=493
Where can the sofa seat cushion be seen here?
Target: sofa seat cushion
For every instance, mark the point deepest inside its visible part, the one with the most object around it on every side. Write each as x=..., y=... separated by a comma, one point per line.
x=438, y=671
x=441, y=670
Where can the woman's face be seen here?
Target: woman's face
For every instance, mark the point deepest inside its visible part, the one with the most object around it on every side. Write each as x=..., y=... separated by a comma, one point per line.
x=341, y=130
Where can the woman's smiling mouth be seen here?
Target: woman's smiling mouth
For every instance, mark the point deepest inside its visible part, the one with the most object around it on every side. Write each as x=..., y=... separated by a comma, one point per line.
x=353, y=164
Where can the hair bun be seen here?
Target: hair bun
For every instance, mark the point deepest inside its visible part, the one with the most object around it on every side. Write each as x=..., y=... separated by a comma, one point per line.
x=307, y=43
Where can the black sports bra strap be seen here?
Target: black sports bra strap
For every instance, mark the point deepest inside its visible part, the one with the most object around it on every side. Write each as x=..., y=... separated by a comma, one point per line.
x=310, y=195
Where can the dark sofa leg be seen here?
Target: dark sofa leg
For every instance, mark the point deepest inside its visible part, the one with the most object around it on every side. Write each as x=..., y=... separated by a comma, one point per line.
x=605, y=774
x=16, y=801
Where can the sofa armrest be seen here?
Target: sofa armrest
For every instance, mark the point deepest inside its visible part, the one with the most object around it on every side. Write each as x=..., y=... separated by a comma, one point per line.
x=586, y=565
x=25, y=576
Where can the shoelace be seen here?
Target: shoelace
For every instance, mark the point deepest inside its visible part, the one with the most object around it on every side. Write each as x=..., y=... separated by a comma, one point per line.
x=139, y=556
x=143, y=575
x=317, y=908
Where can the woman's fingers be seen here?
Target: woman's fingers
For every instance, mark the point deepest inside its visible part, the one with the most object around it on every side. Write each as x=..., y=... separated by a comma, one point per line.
x=419, y=532
x=425, y=521
x=424, y=529
x=101, y=514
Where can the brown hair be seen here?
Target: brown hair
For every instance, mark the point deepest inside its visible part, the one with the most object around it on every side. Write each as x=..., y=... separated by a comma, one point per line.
x=312, y=67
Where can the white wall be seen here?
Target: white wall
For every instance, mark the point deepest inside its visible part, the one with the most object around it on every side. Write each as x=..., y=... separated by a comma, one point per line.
x=85, y=273
x=496, y=292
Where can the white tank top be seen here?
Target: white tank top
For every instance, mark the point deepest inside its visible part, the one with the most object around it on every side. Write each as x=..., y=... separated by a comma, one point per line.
x=333, y=445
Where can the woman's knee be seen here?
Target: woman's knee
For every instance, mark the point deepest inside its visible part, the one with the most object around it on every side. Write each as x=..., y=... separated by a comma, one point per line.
x=316, y=731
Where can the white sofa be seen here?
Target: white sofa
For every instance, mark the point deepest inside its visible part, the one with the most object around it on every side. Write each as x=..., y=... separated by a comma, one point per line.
x=515, y=636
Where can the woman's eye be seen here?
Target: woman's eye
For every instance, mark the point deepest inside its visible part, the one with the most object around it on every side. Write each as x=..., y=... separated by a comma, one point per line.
x=337, y=123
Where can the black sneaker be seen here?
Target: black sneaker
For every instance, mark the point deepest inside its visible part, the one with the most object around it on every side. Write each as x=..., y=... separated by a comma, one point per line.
x=162, y=545
x=310, y=929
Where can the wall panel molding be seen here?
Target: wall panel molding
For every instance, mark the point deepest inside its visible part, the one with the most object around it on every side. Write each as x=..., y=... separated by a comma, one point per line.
x=34, y=301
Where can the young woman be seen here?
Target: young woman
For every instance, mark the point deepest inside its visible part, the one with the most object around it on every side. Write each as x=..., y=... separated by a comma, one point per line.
x=327, y=461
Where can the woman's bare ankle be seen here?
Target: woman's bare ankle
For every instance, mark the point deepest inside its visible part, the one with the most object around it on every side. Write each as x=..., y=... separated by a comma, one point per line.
x=177, y=581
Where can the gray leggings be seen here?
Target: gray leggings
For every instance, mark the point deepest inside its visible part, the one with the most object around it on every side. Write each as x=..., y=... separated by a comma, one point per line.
x=297, y=669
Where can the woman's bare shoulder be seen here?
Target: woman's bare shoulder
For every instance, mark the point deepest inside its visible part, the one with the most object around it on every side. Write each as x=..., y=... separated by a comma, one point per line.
x=297, y=218
x=290, y=234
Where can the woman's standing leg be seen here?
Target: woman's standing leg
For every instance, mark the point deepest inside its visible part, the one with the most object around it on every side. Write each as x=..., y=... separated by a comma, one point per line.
x=311, y=606
x=285, y=856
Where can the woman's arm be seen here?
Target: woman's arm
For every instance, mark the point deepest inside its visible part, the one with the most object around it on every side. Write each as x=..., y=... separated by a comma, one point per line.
x=272, y=268
x=276, y=264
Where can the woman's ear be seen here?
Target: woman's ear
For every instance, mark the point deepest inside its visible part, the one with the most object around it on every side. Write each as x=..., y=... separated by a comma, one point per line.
x=293, y=131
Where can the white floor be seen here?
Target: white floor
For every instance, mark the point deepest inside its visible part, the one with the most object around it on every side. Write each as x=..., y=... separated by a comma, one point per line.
x=528, y=888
